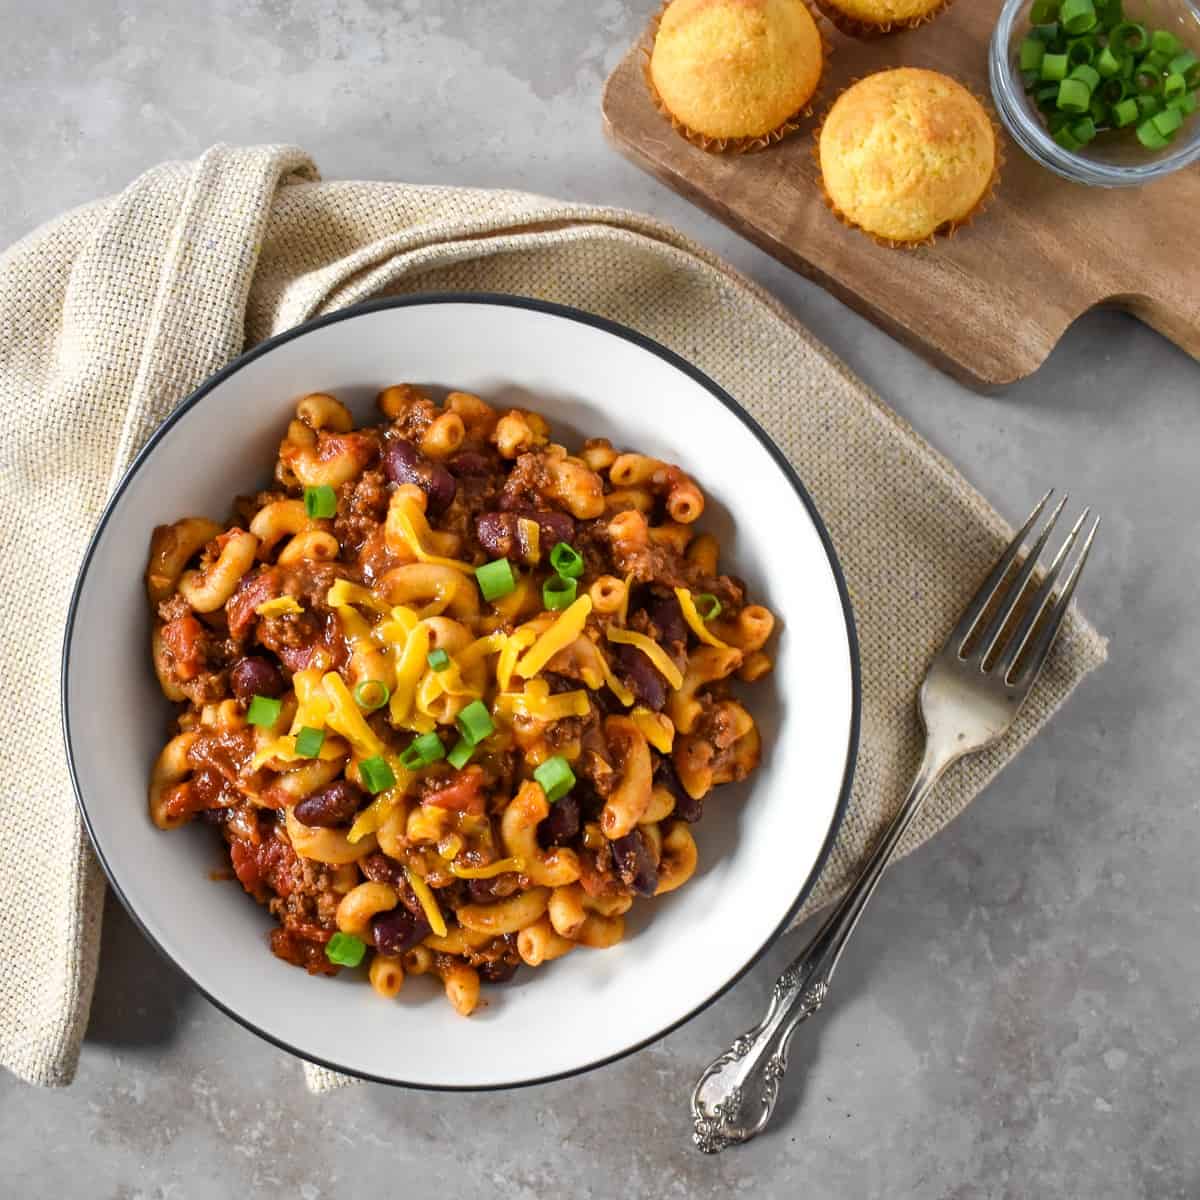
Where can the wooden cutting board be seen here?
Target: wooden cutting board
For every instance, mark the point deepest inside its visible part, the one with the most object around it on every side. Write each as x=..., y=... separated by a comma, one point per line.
x=987, y=305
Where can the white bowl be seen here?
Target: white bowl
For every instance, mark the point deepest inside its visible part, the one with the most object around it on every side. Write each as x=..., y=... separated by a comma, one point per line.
x=761, y=844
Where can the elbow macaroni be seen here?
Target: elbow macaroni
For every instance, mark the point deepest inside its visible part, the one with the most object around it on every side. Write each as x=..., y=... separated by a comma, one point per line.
x=362, y=635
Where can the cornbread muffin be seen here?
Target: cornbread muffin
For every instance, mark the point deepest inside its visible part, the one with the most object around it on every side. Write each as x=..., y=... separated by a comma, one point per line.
x=869, y=18
x=732, y=74
x=907, y=153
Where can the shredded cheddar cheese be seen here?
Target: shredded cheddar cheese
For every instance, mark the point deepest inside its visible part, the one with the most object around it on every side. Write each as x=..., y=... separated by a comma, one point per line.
x=313, y=702
x=656, y=728
x=279, y=606
x=622, y=614
x=559, y=636
x=537, y=702
x=413, y=529
x=410, y=664
x=651, y=649
x=696, y=621
x=344, y=716
x=374, y=815
x=499, y=867
x=284, y=750
x=506, y=664
x=342, y=592
x=509, y=606
x=450, y=847
x=618, y=689
x=433, y=914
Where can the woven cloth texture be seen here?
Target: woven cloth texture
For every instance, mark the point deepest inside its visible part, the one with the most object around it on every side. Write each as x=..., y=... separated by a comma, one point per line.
x=114, y=312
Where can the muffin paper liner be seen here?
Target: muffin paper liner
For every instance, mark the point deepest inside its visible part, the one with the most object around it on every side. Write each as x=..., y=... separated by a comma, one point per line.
x=948, y=228
x=866, y=30
x=737, y=145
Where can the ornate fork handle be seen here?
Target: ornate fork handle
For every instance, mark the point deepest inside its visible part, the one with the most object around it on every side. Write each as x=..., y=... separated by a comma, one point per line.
x=735, y=1096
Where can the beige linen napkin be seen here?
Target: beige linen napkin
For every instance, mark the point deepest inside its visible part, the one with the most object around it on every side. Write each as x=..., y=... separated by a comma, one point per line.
x=112, y=313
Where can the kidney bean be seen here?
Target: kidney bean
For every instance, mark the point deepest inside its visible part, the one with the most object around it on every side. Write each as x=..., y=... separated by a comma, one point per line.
x=500, y=971
x=333, y=805
x=635, y=863
x=686, y=809
x=378, y=868
x=404, y=463
x=484, y=891
x=502, y=535
x=398, y=930
x=562, y=824
x=470, y=462
x=255, y=676
x=642, y=677
x=664, y=612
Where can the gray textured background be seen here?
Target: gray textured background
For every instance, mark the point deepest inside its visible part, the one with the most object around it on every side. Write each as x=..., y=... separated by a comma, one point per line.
x=1018, y=1015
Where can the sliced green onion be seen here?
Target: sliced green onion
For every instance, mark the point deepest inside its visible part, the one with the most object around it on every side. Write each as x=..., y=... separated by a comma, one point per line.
x=1129, y=37
x=1184, y=105
x=320, y=501
x=559, y=593
x=461, y=754
x=1147, y=83
x=496, y=579
x=1181, y=64
x=1084, y=131
x=345, y=949
x=1112, y=90
x=422, y=751
x=1156, y=60
x=1174, y=85
x=1059, y=120
x=1031, y=54
x=438, y=659
x=372, y=694
x=1108, y=12
x=707, y=605
x=1081, y=51
x=1043, y=12
x=1074, y=96
x=1045, y=33
x=263, y=711
x=1149, y=136
x=566, y=561
x=1066, y=139
x=1125, y=113
x=1077, y=16
x=475, y=722
x=556, y=777
x=1047, y=97
x=1054, y=67
x=1086, y=75
x=377, y=775
x=1162, y=41
x=1107, y=63
x=309, y=742
x=1167, y=122
x=1099, y=113
x=1148, y=105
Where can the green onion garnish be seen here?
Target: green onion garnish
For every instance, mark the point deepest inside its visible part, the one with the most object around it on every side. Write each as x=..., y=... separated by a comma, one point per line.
x=1107, y=63
x=1081, y=51
x=263, y=711
x=1174, y=85
x=1074, y=96
x=1054, y=67
x=475, y=722
x=556, y=777
x=559, y=593
x=422, y=751
x=1125, y=113
x=320, y=501
x=376, y=775
x=1077, y=16
x=1130, y=37
x=345, y=949
x=496, y=579
x=707, y=605
x=438, y=659
x=461, y=754
x=1043, y=12
x=309, y=742
x=372, y=694
x=1032, y=52
x=1164, y=42
x=1149, y=136
x=566, y=561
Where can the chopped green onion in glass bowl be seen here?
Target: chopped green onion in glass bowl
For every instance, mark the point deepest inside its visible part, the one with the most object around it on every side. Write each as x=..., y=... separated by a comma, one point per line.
x=1102, y=92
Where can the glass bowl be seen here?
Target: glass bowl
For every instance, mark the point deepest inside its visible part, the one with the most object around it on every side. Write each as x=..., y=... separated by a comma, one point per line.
x=1112, y=160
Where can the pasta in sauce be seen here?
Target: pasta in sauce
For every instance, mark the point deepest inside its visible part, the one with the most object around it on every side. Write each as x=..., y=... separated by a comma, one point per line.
x=451, y=694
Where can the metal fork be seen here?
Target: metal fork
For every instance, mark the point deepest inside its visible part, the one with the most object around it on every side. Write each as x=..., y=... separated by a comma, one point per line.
x=970, y=697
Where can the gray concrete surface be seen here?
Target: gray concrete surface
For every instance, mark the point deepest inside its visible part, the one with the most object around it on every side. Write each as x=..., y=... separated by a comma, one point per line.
x=1018, y=1016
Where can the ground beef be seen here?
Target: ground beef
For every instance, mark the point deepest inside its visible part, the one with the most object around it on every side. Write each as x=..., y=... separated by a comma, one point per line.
x=361, y=508
x=308, y=953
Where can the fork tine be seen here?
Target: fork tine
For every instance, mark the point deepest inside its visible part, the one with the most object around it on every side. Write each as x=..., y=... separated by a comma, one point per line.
x=991, y=635
x=1040, y=650
x=970, y=618
x=1016, y=643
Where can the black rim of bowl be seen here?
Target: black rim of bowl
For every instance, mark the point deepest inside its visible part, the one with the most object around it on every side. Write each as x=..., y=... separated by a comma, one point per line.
x=584, y=318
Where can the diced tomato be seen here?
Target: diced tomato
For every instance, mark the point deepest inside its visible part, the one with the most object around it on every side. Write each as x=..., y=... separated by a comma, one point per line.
x=184, y=640
x=270, y=862
x=253, y=590
x=183, y=800
x=464, y=793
